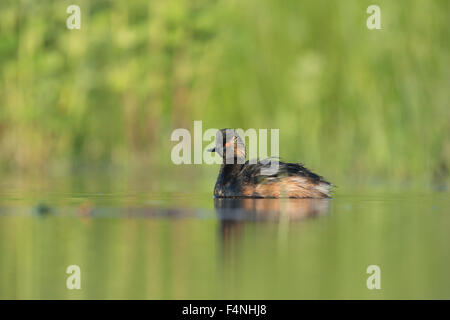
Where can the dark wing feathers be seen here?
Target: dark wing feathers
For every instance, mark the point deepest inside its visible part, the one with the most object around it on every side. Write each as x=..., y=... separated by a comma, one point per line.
x=252, y=172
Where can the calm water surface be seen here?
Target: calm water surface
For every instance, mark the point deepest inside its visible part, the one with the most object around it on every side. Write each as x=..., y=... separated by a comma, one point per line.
x=189, y=246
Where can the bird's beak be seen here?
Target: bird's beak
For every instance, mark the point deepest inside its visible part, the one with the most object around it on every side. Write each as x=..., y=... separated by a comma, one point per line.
x=212, y=150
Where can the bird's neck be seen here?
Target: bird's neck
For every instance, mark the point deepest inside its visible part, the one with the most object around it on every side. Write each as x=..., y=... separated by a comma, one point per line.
x=231, y=167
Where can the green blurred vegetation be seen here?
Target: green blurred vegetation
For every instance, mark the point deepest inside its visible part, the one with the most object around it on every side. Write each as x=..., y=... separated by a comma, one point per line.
x=347, y=100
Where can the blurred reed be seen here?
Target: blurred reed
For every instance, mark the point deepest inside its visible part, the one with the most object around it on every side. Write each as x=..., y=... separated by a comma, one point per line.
x=348, y=100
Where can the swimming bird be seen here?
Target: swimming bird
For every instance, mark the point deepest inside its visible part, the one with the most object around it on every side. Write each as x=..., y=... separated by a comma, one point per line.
x=242, y=179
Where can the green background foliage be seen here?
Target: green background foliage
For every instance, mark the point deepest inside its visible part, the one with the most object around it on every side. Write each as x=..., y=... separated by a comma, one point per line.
x=347, y=100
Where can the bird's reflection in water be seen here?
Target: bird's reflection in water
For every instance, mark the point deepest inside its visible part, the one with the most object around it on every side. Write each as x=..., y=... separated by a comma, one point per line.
x=235, y=214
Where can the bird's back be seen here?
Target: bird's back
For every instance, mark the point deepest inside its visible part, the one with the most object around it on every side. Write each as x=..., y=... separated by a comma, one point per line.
x=291, y=180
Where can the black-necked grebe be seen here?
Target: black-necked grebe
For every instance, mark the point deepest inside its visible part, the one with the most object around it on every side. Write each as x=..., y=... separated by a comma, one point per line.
x=238, y=178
